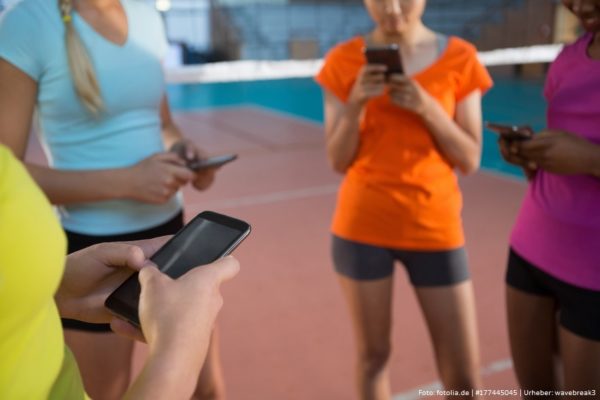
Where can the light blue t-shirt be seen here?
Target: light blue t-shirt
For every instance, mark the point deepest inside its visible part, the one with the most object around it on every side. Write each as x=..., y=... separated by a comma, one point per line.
x=132, y=85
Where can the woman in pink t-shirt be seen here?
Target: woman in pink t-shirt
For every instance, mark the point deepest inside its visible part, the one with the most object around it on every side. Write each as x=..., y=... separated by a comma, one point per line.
x=553, y=276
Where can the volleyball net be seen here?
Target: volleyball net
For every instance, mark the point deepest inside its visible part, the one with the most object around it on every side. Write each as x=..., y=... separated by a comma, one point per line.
x=251, y=70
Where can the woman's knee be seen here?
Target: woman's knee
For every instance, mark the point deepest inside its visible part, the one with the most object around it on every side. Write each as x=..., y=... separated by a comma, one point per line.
x=374, y=360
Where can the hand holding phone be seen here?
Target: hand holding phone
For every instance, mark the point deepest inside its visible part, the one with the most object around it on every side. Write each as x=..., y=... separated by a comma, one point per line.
x=152, y=179
x=388, y=55
x=205, y=239
x=511, y=132
x=161, y=315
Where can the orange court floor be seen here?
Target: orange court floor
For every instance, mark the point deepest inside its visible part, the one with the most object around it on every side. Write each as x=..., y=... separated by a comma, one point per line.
x=285, y=332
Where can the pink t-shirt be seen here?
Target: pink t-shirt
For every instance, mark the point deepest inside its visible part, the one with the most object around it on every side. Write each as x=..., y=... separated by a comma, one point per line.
x=558, y=227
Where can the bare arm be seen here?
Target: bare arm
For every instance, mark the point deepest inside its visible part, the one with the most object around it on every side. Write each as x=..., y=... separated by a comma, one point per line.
x=68, y=187
x=459, y=139
x=152, y=180
x=177, y=316
x=341, y=131
x=18, y=93
x=170, y=131
x=555, y=151
x=168, y=373
x=342, y=120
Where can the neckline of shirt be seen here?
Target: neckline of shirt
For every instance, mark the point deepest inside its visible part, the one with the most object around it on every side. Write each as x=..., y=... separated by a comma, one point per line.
x=82, y=22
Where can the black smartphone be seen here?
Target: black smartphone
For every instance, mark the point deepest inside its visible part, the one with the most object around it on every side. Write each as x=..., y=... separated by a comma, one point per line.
x=206, y=238
x=511, y=132
x=211, y=162
x=388, y=55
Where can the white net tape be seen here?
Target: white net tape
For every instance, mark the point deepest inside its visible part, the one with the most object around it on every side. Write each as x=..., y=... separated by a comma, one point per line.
x=247, y=70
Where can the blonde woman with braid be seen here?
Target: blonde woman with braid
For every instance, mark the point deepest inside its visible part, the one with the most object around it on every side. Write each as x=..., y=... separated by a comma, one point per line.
x=92, y=71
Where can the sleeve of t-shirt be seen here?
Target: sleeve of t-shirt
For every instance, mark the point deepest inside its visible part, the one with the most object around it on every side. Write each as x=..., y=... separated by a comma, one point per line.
x=334, y=76
x=474, y=75
x=19, y=41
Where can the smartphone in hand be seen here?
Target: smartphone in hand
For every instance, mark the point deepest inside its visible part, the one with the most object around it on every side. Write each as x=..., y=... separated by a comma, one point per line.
x=388, y=55
x=210, y=162
x=511, y=132
x=197, y=164
x=206, y=238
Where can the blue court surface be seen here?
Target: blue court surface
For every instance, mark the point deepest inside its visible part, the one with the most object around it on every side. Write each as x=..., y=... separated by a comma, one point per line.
x=513, y=101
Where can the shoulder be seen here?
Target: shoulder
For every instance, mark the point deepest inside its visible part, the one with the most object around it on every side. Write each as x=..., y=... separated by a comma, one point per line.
x=461, y=48
x=461, y=62
x=571, y=50
x=570, y=54
x=341, y=66
x=460, y=55
x=350, y=50
x=568, y=60
x=30, y=12
x=29, y=32
x=30, y=18
x=582, y=42
x=143, y=11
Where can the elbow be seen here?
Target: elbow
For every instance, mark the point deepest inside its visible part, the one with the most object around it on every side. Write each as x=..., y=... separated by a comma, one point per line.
x=338, y=162
x=470, y=166
x=338, y=166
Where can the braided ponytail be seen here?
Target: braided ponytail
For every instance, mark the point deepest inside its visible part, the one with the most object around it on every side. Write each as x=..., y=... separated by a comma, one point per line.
x=82, y=70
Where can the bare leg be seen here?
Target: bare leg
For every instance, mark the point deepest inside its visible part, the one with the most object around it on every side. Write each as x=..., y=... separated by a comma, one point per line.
x=450, y=315
x=210, y=382
x=581, y=358
x=532, y=332
x=370, y=304
x=104, y=360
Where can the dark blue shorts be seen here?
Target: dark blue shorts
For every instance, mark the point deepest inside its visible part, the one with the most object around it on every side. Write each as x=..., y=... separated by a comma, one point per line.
x=425, y=268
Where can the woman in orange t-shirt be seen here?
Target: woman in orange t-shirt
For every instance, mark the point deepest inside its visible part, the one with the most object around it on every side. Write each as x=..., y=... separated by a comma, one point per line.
x=398, y=140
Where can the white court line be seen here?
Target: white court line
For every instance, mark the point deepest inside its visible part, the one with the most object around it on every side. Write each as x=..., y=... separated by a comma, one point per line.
x=274, y=197
x=315, y=191
x=412, y=394
x=491, y=369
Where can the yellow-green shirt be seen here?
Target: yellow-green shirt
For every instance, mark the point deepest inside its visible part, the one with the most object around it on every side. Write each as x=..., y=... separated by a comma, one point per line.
x=34, y=360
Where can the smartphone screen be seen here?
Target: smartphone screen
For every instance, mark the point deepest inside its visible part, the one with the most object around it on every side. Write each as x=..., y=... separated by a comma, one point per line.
x=388, y=55
x=211, y=162
x=208, y=237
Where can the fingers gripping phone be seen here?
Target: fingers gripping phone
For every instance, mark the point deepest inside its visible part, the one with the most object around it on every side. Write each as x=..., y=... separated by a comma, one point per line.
x=206, y=238
x=388, y=55
x=511, y=132
x=211, y=162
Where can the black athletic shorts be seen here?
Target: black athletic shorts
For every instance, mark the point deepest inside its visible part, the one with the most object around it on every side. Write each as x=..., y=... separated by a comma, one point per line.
x=578, y=308
x=79, y=241
x=425, y=268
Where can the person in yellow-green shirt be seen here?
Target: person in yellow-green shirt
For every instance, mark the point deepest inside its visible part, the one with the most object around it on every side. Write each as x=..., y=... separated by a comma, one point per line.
x=39, y=284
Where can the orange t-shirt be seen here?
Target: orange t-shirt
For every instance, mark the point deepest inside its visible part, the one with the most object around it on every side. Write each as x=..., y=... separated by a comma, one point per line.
x=400, y=191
